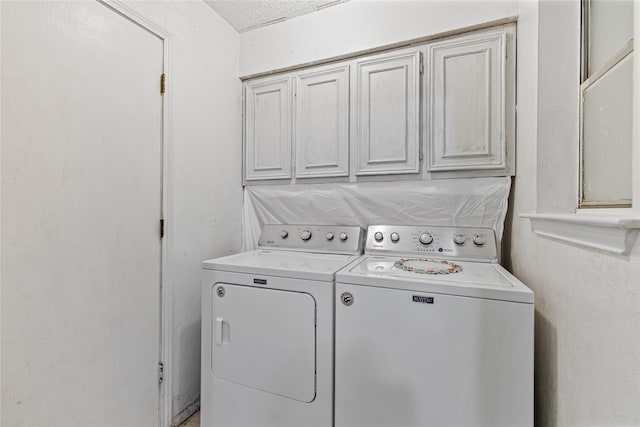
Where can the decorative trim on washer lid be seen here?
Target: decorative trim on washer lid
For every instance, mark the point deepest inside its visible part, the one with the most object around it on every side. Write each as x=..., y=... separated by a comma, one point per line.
x=427, y=266
x=615, y=234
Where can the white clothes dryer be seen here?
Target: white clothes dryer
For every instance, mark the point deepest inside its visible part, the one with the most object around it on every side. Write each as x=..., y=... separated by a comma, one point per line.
x=267, y=328
x=432, y=331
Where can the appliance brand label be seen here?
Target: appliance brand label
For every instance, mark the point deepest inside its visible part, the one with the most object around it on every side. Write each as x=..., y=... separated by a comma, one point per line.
x=260, y=281
x=422, y=300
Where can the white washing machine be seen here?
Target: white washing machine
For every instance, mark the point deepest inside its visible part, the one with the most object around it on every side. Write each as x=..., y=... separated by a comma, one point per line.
x=267, y=328
x=432, y=331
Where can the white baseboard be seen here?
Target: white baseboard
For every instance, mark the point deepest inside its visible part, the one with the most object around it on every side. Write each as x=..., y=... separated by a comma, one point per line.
x=185, y=414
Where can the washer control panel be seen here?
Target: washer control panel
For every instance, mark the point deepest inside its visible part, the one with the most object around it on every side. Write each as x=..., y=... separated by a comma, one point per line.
x=475, y=243
x=343, y=239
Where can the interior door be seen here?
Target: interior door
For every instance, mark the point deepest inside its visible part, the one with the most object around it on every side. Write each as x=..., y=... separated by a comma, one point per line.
x=81, y=204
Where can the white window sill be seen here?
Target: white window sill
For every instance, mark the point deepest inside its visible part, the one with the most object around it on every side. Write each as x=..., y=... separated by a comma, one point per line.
x=603, y=232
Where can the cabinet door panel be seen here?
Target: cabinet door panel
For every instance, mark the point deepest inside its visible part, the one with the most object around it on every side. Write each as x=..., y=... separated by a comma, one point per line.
x=322, y=123
x=268, y=129
x=466, y=108
x=387, y=106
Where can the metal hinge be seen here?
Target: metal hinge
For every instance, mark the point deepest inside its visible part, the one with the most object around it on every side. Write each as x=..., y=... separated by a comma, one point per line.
x=163, y=83
x=160, y=372
x=421, y=67
x=420, y=156
x=507, y=46
x=162, y=228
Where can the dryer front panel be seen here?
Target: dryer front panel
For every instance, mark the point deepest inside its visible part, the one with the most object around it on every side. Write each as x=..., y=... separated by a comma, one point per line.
x=264, y=339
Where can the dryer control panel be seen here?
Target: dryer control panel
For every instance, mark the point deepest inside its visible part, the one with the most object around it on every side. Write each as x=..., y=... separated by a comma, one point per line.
x=340, y=239
x=463, y=243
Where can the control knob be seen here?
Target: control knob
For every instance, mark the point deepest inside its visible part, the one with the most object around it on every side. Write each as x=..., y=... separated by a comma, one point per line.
x=378, y=236
x=284, y=234
x=395, y=237
x=305, y=235
x=330, y=236
x=426, y=238
x=459, y=239
x=343, y=236
x=479, y=240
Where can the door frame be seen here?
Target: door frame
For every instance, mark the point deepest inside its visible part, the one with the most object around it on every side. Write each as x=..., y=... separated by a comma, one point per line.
x=166, y=275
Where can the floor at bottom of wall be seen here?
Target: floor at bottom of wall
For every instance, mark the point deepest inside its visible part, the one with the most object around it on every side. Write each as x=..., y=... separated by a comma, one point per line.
x=193, y=421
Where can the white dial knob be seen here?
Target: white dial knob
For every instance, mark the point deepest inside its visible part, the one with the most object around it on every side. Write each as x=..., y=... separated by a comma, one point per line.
x=343, y=236
x=378, y=236
x=479, y=240
x=395, y=237
x=284, y=234
x=330, y=236
x=426, y=238
x=305, y=235
x=459, y=239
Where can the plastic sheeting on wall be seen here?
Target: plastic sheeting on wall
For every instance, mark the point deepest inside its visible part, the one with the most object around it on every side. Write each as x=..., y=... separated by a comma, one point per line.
x=463, y=202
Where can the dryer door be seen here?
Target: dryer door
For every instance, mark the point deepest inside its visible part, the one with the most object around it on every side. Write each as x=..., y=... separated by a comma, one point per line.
x=265, y=339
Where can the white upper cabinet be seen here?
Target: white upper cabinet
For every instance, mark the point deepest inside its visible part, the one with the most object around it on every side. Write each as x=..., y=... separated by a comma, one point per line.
x=268, y=129
x=372, y=116
x=322, y=122
x=469, y=106
x=387, y=97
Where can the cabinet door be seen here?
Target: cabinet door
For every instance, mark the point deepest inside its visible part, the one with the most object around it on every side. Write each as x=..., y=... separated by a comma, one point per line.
x=387, y=100
x=268, y=129
x=466, y=95
x=322, y=123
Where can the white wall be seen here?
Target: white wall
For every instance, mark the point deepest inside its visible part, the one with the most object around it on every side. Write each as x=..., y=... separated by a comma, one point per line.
x=587, y=303
x=358, y=25
x=206, y=144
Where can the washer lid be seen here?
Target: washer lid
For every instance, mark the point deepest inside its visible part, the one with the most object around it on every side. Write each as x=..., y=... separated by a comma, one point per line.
x=298, y=265
x=474, y=279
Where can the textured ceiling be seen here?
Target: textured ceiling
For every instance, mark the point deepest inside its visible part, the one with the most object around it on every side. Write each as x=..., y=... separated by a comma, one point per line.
x=245, y=15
